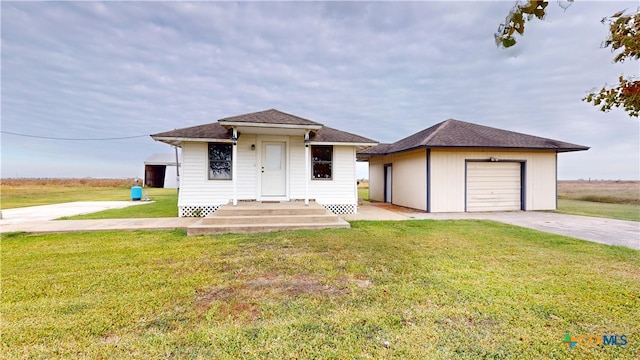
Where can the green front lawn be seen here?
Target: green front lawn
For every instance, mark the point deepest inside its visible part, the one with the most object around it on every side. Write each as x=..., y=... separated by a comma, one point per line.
x=22, y=196
x=165, y=205
x=411, y=289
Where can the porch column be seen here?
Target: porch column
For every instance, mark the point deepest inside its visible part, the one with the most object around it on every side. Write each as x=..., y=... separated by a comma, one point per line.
x=307, y=175
x=234, y=162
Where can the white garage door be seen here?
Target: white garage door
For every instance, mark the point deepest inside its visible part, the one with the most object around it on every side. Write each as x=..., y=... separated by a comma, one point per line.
x=493, y=186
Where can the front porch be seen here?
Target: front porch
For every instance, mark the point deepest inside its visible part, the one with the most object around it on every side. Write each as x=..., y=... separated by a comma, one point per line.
x=255, y=216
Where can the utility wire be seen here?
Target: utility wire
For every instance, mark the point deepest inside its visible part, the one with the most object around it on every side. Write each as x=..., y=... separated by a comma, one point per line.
x=71, y=139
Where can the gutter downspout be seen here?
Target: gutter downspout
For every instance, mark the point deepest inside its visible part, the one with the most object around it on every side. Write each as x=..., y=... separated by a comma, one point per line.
x=307, y=175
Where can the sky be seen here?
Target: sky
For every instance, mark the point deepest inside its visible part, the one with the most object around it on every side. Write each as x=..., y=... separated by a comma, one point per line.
x=384, y=70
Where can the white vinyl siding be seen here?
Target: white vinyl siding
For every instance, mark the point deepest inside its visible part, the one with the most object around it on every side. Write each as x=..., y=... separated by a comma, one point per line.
x=376, y=179
x=296, y=164
x=246, y=167
x=341, y=189
x=493, y=186
x=408, y=183
x=197, y=190
x=195, y=187
x=448, y=177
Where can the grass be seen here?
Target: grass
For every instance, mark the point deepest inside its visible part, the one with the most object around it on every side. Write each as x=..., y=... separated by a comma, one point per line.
x=608, y=199
x=363, y=193
x=614, y=192
x=613, y=211
x=165, y=205
x=32, y=192
x=412, y=289
x=16, y=197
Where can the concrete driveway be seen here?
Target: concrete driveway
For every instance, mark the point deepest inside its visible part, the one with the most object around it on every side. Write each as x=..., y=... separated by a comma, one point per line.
x=600, y=230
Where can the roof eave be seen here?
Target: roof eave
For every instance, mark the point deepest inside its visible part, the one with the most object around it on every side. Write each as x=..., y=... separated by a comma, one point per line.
x=363, y=144
x=509, y=148
x=177, y=141
x=583, y=148
x=398, y=151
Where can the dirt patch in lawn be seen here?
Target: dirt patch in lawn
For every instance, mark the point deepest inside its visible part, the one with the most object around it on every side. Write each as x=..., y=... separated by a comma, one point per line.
x=240, y=302
x=299, y=285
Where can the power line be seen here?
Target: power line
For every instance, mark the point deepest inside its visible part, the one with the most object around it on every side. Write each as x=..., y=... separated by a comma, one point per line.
x=71, y=139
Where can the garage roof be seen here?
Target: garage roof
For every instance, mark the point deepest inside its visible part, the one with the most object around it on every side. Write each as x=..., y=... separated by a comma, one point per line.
x=459, y=134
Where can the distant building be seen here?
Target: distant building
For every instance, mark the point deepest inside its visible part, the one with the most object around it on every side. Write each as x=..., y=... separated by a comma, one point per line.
x=160, y=171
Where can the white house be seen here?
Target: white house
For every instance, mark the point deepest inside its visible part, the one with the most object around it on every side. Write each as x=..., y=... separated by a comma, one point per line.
x=265, y=156
x=456, y=166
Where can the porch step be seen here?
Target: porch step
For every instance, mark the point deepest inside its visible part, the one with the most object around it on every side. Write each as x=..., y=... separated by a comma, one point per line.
x=269, y=219
x=264, y=209
x=255, y=217
x=199, y=229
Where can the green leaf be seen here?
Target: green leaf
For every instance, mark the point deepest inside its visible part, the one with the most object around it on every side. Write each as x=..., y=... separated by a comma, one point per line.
x=508, y=42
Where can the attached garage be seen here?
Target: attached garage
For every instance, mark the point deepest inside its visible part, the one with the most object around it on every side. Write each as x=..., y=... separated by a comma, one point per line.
x=456, y=166
x=494, y=186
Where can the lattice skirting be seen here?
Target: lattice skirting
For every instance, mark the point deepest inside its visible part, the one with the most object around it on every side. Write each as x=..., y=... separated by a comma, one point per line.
x=339, y=209
x=198, y=210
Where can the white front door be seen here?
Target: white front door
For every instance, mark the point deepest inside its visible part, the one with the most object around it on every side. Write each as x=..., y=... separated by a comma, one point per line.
x=274, y=175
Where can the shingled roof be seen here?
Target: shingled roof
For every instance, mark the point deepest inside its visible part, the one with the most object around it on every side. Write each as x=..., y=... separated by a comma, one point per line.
x=206, y=131
x=331, y=135
x=459, y=134
x=218, y=131
x=271, y=116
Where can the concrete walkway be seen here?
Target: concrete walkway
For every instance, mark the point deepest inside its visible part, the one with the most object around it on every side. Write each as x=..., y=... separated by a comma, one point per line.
x=38, y=219
x=62, y=226
x=600, y=230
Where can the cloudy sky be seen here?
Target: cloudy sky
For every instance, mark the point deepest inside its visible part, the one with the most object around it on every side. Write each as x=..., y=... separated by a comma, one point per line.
x=384, y=70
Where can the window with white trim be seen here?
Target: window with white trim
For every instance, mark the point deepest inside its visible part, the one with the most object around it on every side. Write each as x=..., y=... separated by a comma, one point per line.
x=220, y=161
x=322, y=162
